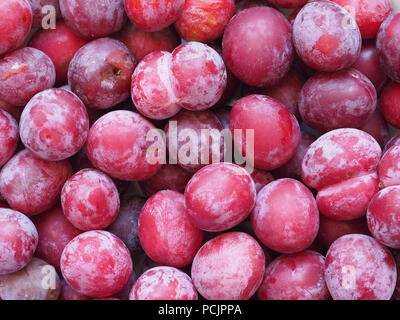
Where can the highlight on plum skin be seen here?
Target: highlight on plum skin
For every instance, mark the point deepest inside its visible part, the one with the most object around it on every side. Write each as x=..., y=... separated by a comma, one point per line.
x=100, y=73
x=235, y=260
x=219, y=197
x=276, y=137
x=285, y=217
x=255, y=57
x=54, y=124
x=343, y=99
x=166, y=232
x=105, y=273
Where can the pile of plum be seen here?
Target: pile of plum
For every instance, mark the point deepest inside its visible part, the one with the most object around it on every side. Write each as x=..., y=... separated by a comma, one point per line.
x=100, y=200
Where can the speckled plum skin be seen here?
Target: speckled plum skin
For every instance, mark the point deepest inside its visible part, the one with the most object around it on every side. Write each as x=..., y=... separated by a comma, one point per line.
x=8, y=136
x=330, y=230
x=94, y=18
x=90, y=200
x=229, y=267
x=369, y=14
x=340, y=155
x=27, y=284
x=100, y=73
x=18, y=241
x=15, y=24
x=38, y=16
x=357, y=267
x=256, y=57
x=165, y=231
x=219, y=196
x=343, y=99
x=383, y=216
x=169, y=177
x=117, y=145
x=204, y=20
x=67, y=293
x=23, y=73
x=153, y=88
x=388, y=46
x=54, y=231
x=292, y=168
x=125, y=226
x=286, y=91
x=196, y=121
x=60, y=45
x=54, y=124
x=32, y=185
x=102, y=273
x=389, y=168
x=276, y=130
x=155, y=15
x=377, y=127
x=141, y=43
x=163, y=283
x=389, y=103
x=368, y=64
x=200, y=75
x=285, y=217
x=298, y=276
x=326, y=36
